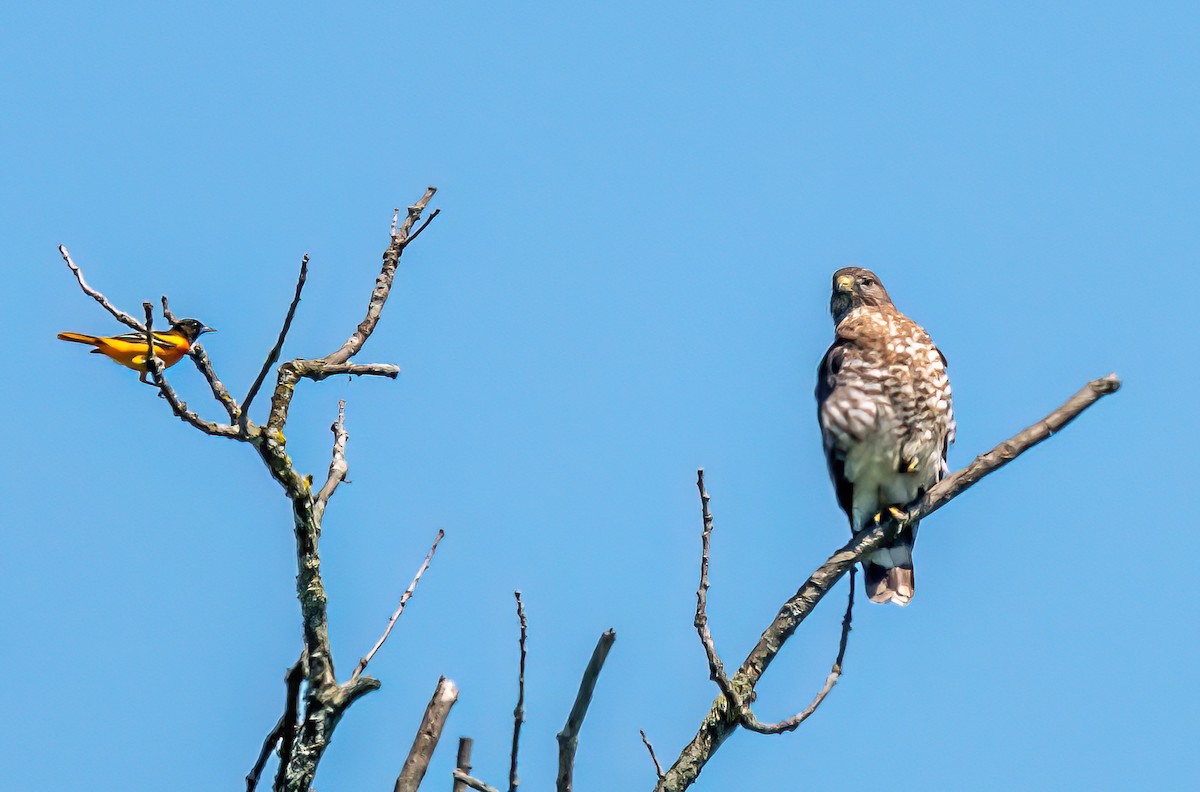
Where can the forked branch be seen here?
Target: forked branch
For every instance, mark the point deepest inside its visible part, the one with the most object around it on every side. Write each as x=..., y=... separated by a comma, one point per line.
x=725, y=716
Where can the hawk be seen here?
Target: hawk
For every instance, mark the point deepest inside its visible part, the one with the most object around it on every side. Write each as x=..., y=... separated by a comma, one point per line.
x=883, y=402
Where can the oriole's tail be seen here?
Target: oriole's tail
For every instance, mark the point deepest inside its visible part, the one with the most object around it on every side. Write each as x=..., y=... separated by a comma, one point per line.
x=78, y=338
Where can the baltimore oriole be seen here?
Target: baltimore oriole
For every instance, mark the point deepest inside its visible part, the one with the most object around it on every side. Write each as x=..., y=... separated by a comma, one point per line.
x=130, y=349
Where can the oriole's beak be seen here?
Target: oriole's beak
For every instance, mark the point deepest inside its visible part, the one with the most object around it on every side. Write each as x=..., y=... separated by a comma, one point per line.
x=844, y=283
x=207, y=329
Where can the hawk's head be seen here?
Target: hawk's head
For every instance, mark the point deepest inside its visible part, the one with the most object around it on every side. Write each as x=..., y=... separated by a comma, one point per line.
x=854, y=287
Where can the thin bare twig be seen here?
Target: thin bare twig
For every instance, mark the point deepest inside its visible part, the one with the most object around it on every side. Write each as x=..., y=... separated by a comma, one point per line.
x=568, y=738
x=722, y=719
x=519, y=711
x=463, y=762
x=428, y=735
x=653, y=758
x=472, y=782
x=286, y=727
x=204, y=365
x=423, y=226
x=383, y=285
x=117, y=313
x=716, y=669
x=835, y=673
x=739, y=702
x=273, y=355
x=337, y=465
x=404, y=598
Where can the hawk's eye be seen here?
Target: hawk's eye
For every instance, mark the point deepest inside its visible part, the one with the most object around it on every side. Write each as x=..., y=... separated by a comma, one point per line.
x=867, y=282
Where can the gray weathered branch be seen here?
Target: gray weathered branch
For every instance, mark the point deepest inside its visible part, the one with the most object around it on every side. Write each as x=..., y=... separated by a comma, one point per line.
x=463, y=762
x=470, y=781
x=723, y=718
x=428, y=735
x=117, y=313
x=568, y=738
x=404, y=598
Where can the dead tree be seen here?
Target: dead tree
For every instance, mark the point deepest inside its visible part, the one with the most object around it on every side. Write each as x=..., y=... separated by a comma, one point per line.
x=315, y=699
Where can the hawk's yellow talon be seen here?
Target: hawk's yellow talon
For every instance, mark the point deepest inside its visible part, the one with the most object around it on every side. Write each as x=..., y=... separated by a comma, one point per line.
x=899, y=514
x=912, y=466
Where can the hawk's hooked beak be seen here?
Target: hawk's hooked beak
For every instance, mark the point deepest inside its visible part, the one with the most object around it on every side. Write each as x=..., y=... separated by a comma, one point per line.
x=844, y=283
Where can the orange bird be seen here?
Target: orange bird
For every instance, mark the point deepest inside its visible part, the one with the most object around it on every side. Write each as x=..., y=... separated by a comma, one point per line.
x=130, y=349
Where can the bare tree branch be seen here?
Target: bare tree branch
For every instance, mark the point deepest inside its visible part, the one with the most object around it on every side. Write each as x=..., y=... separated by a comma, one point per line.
x=273, y=355
x=383, y=284
x=472, y=782
x=790, y=724
x=117, y=313
x=285, y=728
x=717, y=670
x=423, y=226
x=653, y=758
x=519, y=711
x=404, y=598
x=428, y=735
x=463, y=762
x=568, y=738
x=722, y=719
x=337, y=465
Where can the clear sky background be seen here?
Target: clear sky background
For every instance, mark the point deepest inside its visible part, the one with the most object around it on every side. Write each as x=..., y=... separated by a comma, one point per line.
x=642, y=206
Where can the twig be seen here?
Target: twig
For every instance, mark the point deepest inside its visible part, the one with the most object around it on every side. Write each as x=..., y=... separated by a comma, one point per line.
x=423, y=226
x=657, y=767
x=428, y=735
x=790, y=724
x=273, y=355
x=166, y=309
x=472, y=782
x=568, y=738
x=153, y=364
x=337, y=465
x=117, y=313
x=716, y=669
x=740, y=703
x=404, y=598
x=722, y=720
x=383, y=285
x=326, y=370
x=463, y=762
x=285, y=727
x=519, y=711
x=204, y=366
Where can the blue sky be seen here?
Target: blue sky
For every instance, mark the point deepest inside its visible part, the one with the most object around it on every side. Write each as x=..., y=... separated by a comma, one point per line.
x=642, y=206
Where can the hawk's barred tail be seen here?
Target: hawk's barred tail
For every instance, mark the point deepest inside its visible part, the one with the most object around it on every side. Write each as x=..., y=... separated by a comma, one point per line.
x=897, y=584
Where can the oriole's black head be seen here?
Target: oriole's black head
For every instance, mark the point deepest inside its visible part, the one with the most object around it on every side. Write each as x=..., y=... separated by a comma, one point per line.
x=191, y=329
x=854, y=287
